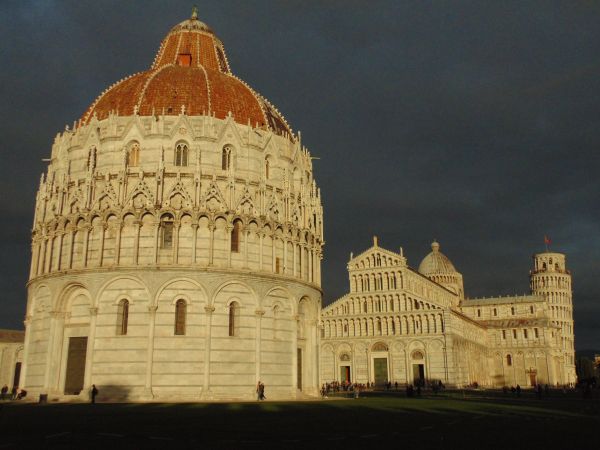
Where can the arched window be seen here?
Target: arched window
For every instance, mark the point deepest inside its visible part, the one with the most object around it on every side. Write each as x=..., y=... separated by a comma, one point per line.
x=133, y=155
x=508, y=360
x=181, y=154
x=365, y=306
x=180, y=315
x=234, y=311
x=122, y=317
x=267, y=168
x=226, y=157
x=235, y=237
x=166, y=231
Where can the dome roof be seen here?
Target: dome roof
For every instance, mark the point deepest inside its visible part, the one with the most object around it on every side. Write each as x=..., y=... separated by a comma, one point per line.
x=190, y=74
x=436, y=262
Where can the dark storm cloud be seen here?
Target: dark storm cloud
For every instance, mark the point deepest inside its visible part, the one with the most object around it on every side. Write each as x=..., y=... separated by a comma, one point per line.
x=476, y=123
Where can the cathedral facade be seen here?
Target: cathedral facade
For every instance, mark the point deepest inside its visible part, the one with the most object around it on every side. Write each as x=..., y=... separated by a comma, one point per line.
x=177, y=241
x=398, y=324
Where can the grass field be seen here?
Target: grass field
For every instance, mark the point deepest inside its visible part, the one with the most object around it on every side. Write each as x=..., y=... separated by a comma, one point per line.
x=452, y=421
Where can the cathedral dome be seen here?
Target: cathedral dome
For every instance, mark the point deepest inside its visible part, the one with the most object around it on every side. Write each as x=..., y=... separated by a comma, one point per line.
x=190, y=75
x=436, y=262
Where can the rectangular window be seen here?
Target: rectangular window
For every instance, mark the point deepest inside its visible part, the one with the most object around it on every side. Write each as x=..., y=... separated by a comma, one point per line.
x=503, y=334
x=495, y=312
x=184, y=59
x=525, y=334
x=536, y=333
x=531, y=310
x=478, y=313
x=514, y=334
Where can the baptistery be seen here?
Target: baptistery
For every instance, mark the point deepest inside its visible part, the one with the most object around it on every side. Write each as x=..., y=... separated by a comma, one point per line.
x=177, y=241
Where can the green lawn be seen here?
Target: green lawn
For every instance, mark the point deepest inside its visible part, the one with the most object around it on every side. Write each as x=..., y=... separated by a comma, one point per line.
x=450, y=421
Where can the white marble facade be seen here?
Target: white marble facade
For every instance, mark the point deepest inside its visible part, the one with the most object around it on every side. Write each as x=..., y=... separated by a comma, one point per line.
x=175, y=255
x=402, y=325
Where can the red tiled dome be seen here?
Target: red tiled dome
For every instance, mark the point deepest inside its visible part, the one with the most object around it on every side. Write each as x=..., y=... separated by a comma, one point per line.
x=189, y=71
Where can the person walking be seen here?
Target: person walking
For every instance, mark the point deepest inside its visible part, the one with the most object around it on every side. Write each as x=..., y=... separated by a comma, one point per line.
x=261, y=391
x=3, y=392
x=94, y=393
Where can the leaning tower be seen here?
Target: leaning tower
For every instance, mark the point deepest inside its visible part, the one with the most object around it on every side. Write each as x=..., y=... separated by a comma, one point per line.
x=177, y=240
x=551, y=279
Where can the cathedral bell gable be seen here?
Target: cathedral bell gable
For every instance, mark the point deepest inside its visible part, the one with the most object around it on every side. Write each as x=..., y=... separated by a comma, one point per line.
x=376, y=256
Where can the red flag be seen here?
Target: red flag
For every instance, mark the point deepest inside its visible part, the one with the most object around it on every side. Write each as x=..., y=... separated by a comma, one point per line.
x=547, y=240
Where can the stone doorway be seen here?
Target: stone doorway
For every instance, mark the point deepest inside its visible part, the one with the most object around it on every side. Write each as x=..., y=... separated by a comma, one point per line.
x=17, y=376
x=418, y=374
x=75, y=365
x=345, y=374
x=532, y=378
x=380, y=367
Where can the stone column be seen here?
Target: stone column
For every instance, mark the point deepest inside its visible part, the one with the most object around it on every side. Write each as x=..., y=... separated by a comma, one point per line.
x=136, y=241
x=86, y=242
x=246, y=237
x=26, y=324
x=294, y=353
x=156, y=236
x=89, y=357
x=273, y=253
x=176, y=228
x=295, y=259
x=150, y=354
x=261, y=236
x=206, y=384
x=310, y=265
x=118, y=242
x=34, y=256
x=315, y=356
x=60, y=246
x=211, y=243
x=53, y=356
x=194, y=241
x=101, y=249
x=285, y=252
x=302, y=274
x=259, y=314
x=71, y=242
x=49, y=248
x=228, y=230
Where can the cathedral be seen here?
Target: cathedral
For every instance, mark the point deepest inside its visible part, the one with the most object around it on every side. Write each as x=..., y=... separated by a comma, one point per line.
x=398, y=324
x=176, y=255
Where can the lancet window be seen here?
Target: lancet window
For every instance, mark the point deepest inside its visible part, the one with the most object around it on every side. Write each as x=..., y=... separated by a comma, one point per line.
x=180, y=316
x=233, y=318
x=235, y=236
x=133, y=155
x=226, y=157
x=122, y=317
x=166, y=231
x=181, y=154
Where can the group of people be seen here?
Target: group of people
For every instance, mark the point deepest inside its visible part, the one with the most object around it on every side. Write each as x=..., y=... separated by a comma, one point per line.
x=15, y=393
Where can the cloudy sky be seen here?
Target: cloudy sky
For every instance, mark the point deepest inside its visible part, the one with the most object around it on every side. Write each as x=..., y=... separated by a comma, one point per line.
x=476, y=123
